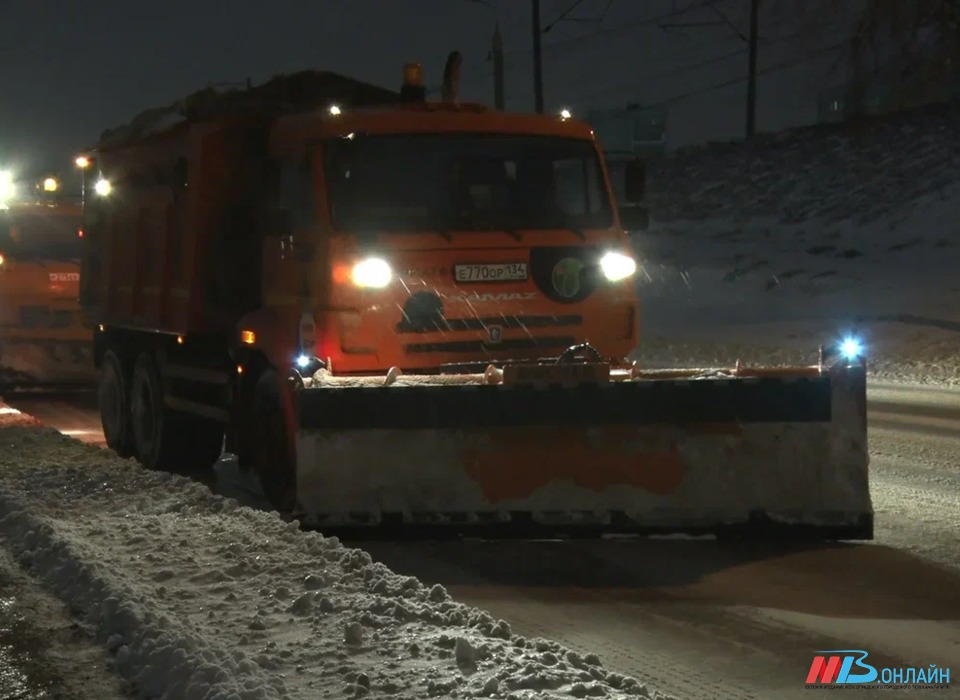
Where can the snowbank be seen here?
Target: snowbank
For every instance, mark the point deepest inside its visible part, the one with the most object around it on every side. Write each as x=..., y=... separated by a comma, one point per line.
x=198, y=597
x=805, y=237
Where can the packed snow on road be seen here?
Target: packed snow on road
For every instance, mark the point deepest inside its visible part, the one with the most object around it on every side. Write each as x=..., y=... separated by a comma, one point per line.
x=198, y=597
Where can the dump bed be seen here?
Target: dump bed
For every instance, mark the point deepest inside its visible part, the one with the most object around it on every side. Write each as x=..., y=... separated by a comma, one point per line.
x=171, y=248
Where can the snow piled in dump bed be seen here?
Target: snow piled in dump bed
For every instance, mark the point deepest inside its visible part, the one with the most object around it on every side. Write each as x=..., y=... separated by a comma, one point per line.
x=198, y=598
x=765, y=250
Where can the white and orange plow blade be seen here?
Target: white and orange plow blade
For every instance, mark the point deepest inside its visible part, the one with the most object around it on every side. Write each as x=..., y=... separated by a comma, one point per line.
x=688, y=455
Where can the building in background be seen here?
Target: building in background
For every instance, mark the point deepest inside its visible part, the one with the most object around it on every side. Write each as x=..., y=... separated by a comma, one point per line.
x=631, y=130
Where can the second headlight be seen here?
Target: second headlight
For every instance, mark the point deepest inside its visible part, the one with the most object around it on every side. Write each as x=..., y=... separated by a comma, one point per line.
x=617, y=266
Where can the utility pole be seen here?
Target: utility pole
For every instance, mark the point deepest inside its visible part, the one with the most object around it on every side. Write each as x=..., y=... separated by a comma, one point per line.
x=752, y=71
x=537, y=59
x=498, y=70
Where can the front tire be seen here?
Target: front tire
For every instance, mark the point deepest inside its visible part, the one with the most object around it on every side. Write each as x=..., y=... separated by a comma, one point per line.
x=270, y=453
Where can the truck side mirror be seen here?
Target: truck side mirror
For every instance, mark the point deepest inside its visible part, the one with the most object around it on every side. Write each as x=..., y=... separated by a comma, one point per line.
x=635, y=181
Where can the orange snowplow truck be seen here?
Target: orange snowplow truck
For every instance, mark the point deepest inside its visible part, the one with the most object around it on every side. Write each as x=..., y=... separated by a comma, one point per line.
x=44, y=341
x=405, y=314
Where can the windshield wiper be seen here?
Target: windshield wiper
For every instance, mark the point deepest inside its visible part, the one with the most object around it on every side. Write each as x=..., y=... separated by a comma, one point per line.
x=575, y=230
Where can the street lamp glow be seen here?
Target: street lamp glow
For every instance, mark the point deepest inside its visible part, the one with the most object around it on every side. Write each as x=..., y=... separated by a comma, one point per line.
x=7, y=186
x=82, y=162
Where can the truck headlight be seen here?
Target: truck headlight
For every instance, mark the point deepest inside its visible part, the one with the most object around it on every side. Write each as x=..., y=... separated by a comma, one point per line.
x=617, y=266
x=372, y=272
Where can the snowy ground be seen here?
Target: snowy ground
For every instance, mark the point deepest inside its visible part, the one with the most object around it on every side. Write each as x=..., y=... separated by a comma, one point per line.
x=197, y=597
x=763, y=252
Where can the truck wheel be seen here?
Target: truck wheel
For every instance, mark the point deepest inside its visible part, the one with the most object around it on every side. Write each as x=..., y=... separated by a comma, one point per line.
x=114, y=398
x=269, y=452
x=147, y=414
x=166, y=439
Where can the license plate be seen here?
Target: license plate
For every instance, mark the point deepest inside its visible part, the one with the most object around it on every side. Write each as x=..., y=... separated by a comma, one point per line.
x=491, y=272
x=598, y=373
x=64, y=276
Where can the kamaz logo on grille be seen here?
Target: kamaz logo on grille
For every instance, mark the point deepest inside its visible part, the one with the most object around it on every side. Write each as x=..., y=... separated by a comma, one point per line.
x=495, y=333
x=499, y=297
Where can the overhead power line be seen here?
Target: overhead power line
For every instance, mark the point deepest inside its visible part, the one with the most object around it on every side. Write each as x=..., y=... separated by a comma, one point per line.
x=715, y=86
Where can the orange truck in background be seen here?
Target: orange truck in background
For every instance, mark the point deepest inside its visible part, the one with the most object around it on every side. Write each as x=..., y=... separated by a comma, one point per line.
x=44, y=341
x=402, y=313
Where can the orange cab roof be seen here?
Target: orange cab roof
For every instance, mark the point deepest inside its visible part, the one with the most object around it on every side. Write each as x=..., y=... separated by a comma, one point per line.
x=423, y=118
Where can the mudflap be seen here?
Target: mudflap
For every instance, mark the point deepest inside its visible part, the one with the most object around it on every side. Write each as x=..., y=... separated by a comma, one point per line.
x=781, y=454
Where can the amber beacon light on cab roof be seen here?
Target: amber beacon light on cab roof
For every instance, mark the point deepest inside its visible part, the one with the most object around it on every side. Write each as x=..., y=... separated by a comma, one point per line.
x=415, y=315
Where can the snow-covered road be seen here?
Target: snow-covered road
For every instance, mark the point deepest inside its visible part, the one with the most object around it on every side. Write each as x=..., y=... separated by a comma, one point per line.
x=703, y=620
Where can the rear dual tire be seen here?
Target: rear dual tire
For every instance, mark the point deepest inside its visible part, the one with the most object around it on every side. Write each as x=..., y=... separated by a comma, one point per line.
x=165, y=439
x=137, y=423
x=113, y=395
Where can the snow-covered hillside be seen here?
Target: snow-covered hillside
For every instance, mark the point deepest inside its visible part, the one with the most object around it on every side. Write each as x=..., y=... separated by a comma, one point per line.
x=825, y=173
x=804, y=237
x=198, y=598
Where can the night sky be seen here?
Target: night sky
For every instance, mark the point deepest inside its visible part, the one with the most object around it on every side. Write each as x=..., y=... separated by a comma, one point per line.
x=71, y=69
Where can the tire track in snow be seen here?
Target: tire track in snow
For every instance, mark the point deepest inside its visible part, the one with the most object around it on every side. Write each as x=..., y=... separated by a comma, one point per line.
x=693, y=618
x=627, y=645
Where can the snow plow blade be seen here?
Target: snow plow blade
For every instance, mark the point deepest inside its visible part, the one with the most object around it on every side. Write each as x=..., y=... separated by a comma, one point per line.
x=770, y=451
x=29, y=364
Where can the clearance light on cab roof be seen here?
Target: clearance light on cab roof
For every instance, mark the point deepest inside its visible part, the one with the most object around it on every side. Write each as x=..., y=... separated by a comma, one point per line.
x=565, y=114
x=248, y=337
x=413, y=74
x=334, y=111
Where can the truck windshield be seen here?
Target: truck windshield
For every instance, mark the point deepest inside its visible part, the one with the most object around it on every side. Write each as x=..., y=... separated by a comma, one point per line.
x=34, y=235
x=464, y=182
